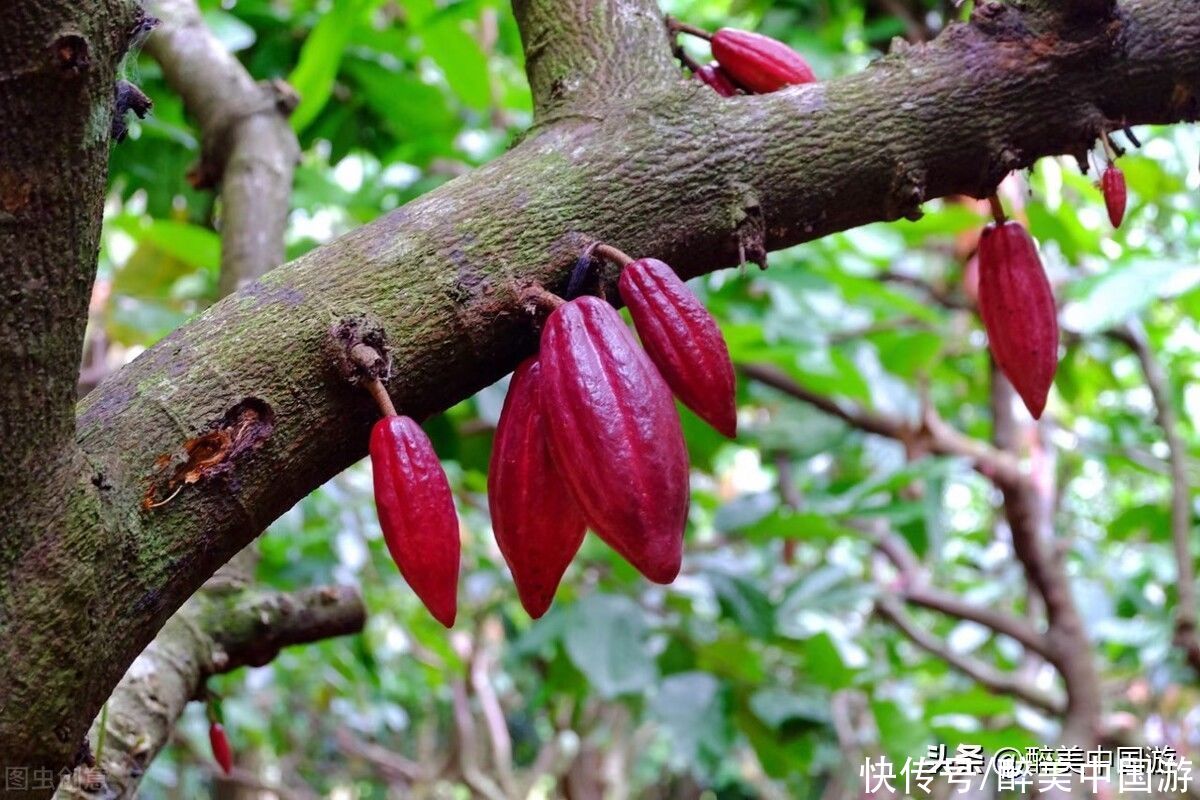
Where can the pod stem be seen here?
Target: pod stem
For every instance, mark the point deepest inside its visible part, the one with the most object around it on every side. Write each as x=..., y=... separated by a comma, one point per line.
x=997, y=209
x=536, y=295
x=676, y=26
x=1109, y=151
x=368, y=358
x=613, y=254
x=685, y=58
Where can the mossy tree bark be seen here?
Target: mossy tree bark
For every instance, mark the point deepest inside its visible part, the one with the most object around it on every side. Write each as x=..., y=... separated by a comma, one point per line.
x=655, y=163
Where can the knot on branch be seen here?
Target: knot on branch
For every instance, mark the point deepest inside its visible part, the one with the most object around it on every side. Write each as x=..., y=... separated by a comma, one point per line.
x=71, y=53
x=275, y=98
x=358, y=348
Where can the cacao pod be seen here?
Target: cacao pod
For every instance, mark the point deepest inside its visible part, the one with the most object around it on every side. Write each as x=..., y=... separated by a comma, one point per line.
x=416, y=513
x=537, y=524
x=1017, y=306
x=222, y=752
x=683, y=341
x=615, y=434
x=718, y=79
x=759, y=63
x=1112, y=182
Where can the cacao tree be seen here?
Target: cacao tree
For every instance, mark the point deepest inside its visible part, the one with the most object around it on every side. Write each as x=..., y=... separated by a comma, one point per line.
x=890, y=554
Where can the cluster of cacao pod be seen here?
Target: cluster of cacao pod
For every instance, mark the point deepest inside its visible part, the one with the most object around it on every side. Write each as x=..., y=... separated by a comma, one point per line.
x=589, y=437
x=748, y=62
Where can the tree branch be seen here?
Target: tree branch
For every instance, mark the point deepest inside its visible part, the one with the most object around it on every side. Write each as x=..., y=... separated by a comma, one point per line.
x=249, y=148
x=250, y=151
x=213, y=635
x=1133, y=336
x=678, y=172
x=984, y=674
x=914, y=588
x=1028, y=511
x=585, y=57
x=933, y=434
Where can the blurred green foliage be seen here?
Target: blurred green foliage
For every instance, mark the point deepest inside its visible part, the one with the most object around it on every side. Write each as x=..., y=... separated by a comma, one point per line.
x=731, y=680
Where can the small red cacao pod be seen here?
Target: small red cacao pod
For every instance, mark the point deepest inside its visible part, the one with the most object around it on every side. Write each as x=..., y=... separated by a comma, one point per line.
x=1017, y=306
x=1112, y=183
x=759, y=63
x=416, y=513
x=718, y=79
x=615, y=434
x=222, y=752
x=683, y=341
x=537, y=524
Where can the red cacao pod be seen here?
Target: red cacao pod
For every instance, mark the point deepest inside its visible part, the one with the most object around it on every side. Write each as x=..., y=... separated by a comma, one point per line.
x=683, y=341
x=615, y=434
x=537, y=524
x=759, y=63
x=718, y=79
x=220, y=747
x=1112, y=183
x=1017, y=306
x=416, y=513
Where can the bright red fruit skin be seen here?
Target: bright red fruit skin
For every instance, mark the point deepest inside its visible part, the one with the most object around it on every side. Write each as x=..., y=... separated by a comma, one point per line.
x=1018, y=310
x=220, y=747
x=1112, y=183
x=759, y=63
x=416, y=513
x=537, y=524
x=683, y=341
x=615, y=434
x=714, y=76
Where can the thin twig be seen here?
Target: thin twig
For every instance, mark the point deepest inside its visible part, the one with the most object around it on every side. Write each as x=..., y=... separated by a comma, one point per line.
x=982, y=673
x=1133, y=335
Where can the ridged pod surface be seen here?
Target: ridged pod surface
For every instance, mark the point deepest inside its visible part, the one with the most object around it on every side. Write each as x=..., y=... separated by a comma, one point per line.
x=1017, y=306
x=614, y=431
x=718, y=79
x=222, y=752
x=416, y=513
x=1112, y=183
x=537, y=524
x=683, y=341
x=759, y=63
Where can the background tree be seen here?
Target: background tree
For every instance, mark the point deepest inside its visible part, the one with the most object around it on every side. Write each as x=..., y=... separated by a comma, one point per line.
x=891, y=555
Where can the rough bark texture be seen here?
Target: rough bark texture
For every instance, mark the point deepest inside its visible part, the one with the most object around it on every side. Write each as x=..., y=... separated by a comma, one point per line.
x=663, y=167
x=57, y=83
x=250, y=150
x=222, y=632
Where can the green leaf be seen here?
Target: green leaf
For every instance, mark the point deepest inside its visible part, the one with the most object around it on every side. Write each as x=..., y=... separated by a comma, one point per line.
x=1101, y=302
x=605, y=639
x=691, y=708
x=461, y=60
x=776, y=706
x=321, y=57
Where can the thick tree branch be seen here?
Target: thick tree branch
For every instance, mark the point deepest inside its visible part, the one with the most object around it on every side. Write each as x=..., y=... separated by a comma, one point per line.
x=1186, y=636
x=585, y=58
x=250, y=151
x=982, y=673
x=212, y=635
x=679, y=173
